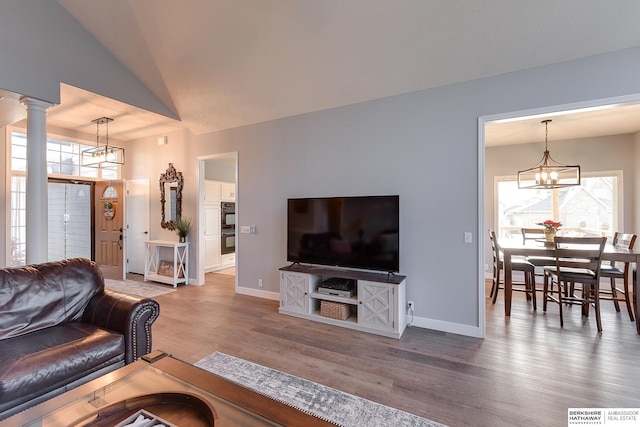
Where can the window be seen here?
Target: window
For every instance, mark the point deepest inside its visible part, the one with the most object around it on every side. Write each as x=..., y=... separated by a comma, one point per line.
x=591, y=209
x=18, y=232
x=63, y=159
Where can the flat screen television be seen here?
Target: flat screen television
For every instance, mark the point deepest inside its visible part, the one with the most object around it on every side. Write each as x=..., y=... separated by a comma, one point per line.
x=354, y=232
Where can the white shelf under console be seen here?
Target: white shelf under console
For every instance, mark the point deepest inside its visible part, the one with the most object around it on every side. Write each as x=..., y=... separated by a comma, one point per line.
x=377, y=306
x=154, y=253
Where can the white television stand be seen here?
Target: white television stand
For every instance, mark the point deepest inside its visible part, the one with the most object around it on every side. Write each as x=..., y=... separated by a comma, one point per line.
x=378, y=305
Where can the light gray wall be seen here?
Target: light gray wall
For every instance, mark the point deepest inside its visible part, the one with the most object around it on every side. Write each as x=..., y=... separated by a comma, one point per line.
x=607, y=153
x=41, y=45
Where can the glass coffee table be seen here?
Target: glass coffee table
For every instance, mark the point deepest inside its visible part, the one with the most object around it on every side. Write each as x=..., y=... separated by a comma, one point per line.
x=159, y=385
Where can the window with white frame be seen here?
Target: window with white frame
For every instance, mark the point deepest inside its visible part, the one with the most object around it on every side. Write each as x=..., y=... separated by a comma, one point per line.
x=18, y=214
x=590, y=209
x=63, y=159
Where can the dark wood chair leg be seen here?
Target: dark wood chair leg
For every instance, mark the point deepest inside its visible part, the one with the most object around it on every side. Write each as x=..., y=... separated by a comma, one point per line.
x=586, y=294
x=596, y=307
x=532, y=284
x=494, y=285
x=627, y=299
x=560, y=303
x=545, y=289
x=614, y=294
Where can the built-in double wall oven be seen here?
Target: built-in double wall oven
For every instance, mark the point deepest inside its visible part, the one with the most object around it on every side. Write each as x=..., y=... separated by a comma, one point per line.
x=228, y=228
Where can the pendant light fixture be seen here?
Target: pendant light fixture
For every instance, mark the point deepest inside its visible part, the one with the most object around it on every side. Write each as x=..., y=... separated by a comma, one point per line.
x=102, y=155
x=548, y=173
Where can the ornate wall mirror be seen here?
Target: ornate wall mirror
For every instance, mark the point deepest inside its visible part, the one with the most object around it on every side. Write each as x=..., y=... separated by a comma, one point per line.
x=170, y=197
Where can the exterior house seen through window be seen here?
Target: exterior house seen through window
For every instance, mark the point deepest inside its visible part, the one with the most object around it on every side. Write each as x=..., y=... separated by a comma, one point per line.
x=590, y=209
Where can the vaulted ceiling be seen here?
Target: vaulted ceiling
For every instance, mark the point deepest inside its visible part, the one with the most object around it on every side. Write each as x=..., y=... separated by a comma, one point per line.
x=220, y=64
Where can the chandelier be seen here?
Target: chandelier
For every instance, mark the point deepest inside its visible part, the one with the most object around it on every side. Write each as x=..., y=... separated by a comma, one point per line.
x=548, y=173
x=102, y=155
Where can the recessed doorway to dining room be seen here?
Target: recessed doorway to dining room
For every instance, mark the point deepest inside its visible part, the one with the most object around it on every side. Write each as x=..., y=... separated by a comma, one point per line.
x=602, y=137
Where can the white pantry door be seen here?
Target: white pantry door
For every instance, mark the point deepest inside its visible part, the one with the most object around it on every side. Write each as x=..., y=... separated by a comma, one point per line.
x=137, y=224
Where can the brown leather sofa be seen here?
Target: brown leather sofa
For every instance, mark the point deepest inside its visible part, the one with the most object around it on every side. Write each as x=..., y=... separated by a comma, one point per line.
x=60, y=328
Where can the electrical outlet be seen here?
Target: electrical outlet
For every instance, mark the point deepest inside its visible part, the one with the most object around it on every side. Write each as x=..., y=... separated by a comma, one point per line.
x=259, y=283
x=410, y=305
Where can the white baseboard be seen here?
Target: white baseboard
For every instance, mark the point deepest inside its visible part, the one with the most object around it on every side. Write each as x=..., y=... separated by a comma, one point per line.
x=258, y=293
x=438, y=325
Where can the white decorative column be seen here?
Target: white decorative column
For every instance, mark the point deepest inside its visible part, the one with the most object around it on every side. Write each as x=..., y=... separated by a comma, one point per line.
x=37, y=214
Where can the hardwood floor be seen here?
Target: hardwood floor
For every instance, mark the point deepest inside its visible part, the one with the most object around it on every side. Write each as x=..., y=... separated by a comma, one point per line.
x=528, y=371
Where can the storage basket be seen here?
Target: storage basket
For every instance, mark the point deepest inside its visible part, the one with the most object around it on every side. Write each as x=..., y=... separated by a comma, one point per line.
x=165, y=268
x=335, y=310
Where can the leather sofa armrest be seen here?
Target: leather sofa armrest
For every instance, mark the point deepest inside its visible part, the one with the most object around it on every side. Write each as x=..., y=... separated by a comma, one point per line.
x=131, y=316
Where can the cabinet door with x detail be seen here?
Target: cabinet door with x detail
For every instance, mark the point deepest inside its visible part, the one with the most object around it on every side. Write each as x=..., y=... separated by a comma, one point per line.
x=294, y=288
x=376, y=305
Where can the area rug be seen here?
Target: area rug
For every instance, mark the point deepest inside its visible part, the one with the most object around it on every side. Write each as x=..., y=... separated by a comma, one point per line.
x=332, y=405
x=140, y=289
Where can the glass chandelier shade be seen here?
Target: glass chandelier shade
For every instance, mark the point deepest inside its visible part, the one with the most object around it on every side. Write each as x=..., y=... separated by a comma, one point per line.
x=548, y=173
x=102, y=155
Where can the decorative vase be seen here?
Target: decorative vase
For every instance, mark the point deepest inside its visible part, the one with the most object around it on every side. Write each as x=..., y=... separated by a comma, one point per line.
x=550, y=235
x=184, y=239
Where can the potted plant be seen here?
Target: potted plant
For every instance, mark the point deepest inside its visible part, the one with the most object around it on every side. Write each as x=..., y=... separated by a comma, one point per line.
x=183, y=226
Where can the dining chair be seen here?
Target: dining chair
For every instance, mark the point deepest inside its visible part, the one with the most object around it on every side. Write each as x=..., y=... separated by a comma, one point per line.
x=577, y=261
x=530, y=236
x=528, y=285
x=537, y=234
x=617, y=270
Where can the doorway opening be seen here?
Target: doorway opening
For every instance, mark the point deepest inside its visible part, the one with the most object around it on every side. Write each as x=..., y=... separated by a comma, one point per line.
x=217, y=212
x=494, y=133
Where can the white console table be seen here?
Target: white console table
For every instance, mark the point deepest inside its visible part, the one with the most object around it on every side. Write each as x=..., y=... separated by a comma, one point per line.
x=180, y=253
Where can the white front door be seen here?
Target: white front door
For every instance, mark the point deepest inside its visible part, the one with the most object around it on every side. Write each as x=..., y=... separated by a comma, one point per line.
x=137, y=224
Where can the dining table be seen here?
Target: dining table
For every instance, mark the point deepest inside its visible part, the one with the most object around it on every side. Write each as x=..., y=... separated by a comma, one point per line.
x=511, y=248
